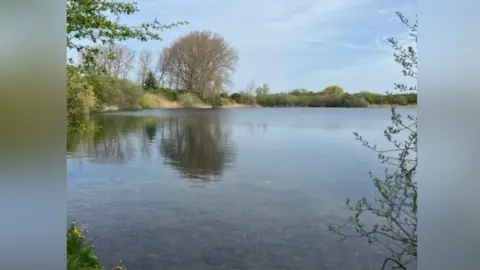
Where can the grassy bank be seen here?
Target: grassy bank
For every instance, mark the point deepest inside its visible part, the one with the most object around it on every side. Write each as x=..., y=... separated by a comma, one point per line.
x=80, y=255
x=99, y=93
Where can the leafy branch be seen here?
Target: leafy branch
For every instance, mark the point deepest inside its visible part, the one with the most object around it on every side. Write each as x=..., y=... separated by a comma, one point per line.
x=396, y=202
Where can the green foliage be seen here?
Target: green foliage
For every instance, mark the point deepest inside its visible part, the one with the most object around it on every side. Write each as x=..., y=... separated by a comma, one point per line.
x=243, y=98
x=278, y=100
x=111, y=91
x=311, y=100
x=98, y=21
x=332, y=96
x=104, y=97
x=355, y=101
x=217, y=100
x=80, y=256
x=398, y=100
x=168, y=94
x=150, y=82
x=333, y=90
x=130, y=94
x=80, y=94
x=189, y=100
x=148, y=102
x=301, y=92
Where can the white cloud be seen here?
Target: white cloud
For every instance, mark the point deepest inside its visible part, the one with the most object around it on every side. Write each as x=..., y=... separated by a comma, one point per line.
x=290, y=44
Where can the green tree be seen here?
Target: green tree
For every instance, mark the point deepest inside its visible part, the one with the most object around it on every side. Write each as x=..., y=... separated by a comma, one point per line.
x=150, y=81
x=333, y=90
x=80, y=98
x=396, y=202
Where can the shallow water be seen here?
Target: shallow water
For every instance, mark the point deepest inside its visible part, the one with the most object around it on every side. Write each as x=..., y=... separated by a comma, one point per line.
x=224, y=189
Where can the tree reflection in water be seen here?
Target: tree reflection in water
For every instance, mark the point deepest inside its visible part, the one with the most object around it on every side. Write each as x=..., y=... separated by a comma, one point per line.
x=198, y=147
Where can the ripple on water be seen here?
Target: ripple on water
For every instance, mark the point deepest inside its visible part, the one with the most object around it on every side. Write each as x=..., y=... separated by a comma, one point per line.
x=277, y=185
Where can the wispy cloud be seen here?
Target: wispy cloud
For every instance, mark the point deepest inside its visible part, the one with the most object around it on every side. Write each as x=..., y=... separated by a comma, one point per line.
x=290, y=44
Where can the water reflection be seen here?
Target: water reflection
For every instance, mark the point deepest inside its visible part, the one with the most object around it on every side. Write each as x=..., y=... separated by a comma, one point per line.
x=198, y=147
x=150, y=131
x=107, y=140
x=289, y=184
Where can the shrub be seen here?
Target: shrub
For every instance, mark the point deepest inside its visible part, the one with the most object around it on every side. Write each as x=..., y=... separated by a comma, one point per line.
x=80, y=256
x=80, y=95
x=111, y=91
x=103, y=98
x=129, y=94
x=398, y=100
x=170, y=95
x=356, y=101
x=243, y=98
x=333, y=101
x=150, y=101
x=412, y=98
x=317, y=101
x=333, y=90
x=301, y=92
x=278, y=100
x=189, y=100
x=218, y=101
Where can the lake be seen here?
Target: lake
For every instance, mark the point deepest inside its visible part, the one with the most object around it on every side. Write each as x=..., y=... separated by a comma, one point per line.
x=224, y=188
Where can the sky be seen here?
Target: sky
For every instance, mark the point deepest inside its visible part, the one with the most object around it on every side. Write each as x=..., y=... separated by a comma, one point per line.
x=294, y=43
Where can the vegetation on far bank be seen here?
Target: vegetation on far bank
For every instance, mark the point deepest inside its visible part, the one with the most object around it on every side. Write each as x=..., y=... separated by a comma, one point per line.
x=332, y=96
x=100, y=92
x=193, y=71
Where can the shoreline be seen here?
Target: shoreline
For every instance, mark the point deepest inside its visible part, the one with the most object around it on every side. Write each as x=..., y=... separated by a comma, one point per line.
x=175, y=105
x=159, y=102
x=390, y=105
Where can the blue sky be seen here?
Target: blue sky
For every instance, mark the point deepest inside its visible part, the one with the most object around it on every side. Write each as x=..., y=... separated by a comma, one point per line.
x=294, y=44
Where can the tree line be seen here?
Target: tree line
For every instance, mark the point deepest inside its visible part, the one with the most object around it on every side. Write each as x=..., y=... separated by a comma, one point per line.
x=196, y=68
x=331, y=96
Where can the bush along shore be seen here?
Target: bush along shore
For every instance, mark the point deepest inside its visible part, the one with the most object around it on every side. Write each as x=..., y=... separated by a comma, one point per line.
x=97, y=93
x=332, y=96
x=80, y=255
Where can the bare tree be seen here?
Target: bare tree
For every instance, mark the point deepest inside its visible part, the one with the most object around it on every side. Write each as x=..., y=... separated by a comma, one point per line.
x=127, y=63
x=163, y=65
x=122, y=63
x=396, y=203
x=250, y=88
x=145, y=62
x=200, y=61
x=114, y=60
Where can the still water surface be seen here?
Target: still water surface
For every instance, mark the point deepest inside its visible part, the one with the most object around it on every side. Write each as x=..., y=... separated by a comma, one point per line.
x=224, y=189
